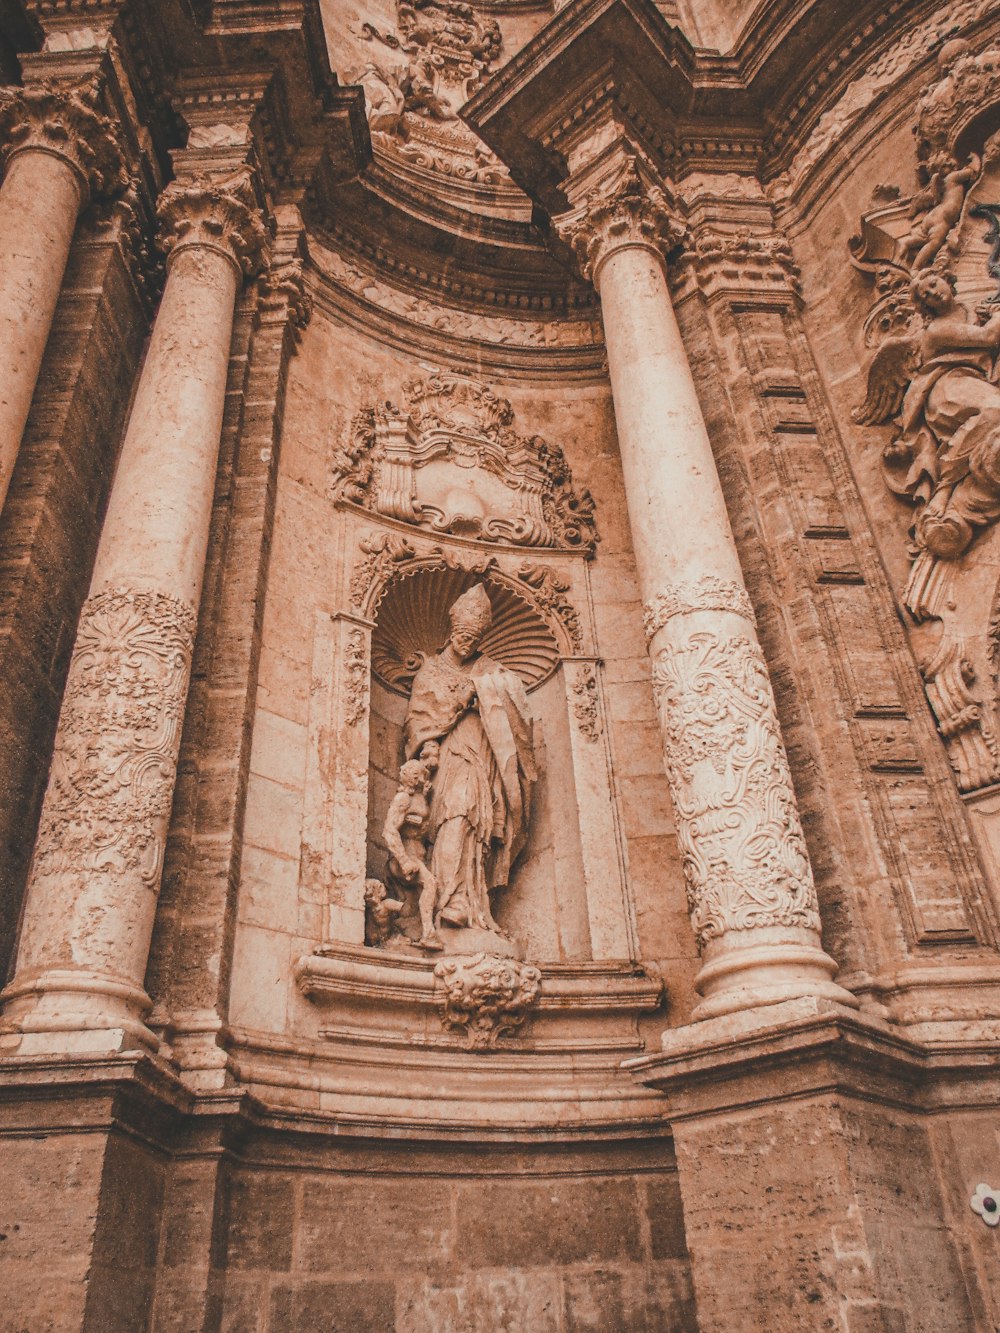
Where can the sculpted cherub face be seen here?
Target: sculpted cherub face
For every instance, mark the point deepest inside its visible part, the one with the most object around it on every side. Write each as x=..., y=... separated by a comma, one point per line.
x=933, y=290
x=413, y=776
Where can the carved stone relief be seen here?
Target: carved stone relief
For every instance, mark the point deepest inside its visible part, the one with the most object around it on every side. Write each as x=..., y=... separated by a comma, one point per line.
x=449, y=459
x=934, y=327
x=586, y=708
x=486, y=997
x=418, y=79
x=118, y=737
x=745, y=859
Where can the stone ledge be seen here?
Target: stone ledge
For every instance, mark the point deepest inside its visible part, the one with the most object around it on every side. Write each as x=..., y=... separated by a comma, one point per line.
x=808, y=1047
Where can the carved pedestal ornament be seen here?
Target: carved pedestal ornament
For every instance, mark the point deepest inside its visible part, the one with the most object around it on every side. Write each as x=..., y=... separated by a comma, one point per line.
x=486, y=997
x=448, y=459
x=750, y=889
x=91, y=896
x=420, y=77
x=935, y=329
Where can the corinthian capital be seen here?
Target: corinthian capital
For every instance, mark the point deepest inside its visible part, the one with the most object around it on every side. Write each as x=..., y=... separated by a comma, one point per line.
x=216, y=213
x=628, y=213
x=67, y=122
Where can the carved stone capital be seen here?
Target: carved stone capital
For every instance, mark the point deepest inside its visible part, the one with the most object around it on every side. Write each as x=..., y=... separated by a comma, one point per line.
x=67, y=123
x=216, y=214
x=630, y=213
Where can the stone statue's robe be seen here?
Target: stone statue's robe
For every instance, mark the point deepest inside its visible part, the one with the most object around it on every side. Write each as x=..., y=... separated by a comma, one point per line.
x=481, y=800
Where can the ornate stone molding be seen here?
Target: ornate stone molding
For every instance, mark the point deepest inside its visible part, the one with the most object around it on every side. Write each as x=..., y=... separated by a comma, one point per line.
x=630, y=213
x=745, y=860
x=356, y=677
x=111, y=783
x=486, y=997
x=965, y=721
x=742, y=259
x=68, y=123
x=586, y=709
x=709, y=593
x=220, y=214
x=283, y=292
x=449, y=459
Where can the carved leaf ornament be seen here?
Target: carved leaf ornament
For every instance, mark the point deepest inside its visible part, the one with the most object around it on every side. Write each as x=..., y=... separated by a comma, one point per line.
x=745, y=859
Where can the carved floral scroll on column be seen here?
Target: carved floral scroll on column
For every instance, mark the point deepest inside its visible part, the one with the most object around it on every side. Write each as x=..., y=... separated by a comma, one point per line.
x=745, y=859
x=112, y=774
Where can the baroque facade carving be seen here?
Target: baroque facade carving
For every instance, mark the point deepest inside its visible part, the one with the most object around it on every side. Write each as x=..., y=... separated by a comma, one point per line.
x=218, y=212
x=486, y=997
x=745, y=859
x=931, y=379
x=449, y=459
x=112, y=774
x=709, y=593
x=69, y=122
x=421, y=77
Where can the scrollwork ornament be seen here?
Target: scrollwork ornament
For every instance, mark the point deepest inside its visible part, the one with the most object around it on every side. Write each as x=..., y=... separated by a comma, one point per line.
x=356, y=677
x=112, y=777
x=219, y=214
x=486, y=997
x=631, y=213
x=709, y=593
x=745, y=860
x=68, y=123
x=586, y=708
x=283, y=292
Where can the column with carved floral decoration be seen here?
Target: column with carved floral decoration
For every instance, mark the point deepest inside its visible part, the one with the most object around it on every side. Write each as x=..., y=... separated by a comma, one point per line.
x=59, y=151
x=750, y=888
x=94, y=879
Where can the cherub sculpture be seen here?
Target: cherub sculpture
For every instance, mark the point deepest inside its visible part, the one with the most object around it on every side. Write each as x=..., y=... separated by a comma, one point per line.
x=405, y=835
x=380, y=914
x=938, y=209
x=945, y=456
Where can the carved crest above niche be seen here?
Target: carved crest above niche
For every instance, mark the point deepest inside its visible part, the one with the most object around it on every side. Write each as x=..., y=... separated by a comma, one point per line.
x=418, y=79
x=448, y=459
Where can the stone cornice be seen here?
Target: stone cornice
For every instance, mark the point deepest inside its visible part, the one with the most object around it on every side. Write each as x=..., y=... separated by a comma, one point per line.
x=691, y=107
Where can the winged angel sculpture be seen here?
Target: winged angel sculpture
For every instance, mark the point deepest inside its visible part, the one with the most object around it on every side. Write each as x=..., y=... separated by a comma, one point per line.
x=941, y=384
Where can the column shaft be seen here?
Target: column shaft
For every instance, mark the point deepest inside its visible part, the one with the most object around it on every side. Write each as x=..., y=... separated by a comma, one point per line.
x=40, y=201
x=95, y=876
x=750, y=888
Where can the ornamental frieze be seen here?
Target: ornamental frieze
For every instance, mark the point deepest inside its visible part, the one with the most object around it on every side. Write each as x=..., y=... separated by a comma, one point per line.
x=447, y=458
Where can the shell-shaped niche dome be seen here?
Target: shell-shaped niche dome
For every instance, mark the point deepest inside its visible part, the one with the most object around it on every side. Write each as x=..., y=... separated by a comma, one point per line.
x=412, y=624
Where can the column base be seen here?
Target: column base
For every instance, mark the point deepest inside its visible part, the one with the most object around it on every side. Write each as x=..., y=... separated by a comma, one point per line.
x=74, y=1012
x=826, y=1165
x=746, y=970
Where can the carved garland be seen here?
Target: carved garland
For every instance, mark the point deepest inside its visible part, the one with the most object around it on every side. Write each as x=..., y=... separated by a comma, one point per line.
x=112, y=777
x=745, y=859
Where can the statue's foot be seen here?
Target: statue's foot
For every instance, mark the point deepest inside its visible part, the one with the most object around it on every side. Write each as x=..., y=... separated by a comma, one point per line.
x=453, y=917
x=431, y=941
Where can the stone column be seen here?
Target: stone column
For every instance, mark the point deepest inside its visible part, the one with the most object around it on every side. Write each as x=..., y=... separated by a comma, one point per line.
x=59, y=153
x=92, y=891
x=750, y=887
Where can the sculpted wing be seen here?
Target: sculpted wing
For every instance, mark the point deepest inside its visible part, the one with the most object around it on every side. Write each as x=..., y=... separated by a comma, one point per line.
x=892, y=367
